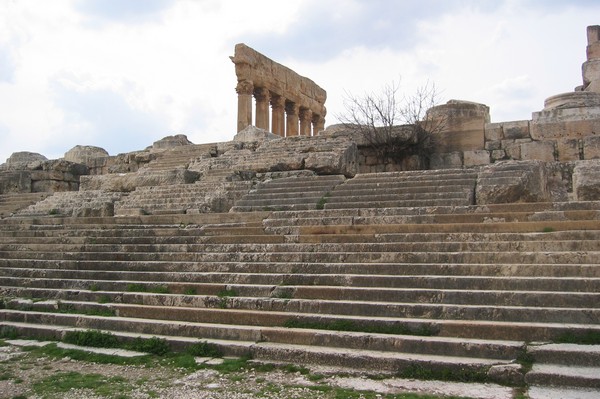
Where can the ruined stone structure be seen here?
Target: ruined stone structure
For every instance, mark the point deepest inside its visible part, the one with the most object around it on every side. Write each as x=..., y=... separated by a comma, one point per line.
x=297, y=103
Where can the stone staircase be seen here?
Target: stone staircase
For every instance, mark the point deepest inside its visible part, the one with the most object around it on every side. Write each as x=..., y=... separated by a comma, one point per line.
x=200, y=197
x=456, y=290
x=11, y=203
x=405, y=189
x=291, y=193
x=180, y=157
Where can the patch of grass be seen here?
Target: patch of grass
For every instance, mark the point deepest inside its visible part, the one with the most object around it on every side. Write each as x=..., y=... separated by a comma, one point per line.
x=8, y=332
x=420, y=372
x=67, y=381
x=227, y=293
x=323, y=200
x=190, y=291
x=548, y=230
x=5, y=376
x=154, y=345
x=590, y=337
x=94, y=287
x=526, y=360
x=292, y=368
x=232, y=365
x=283, y=294
x=349, y=325
x=204, y=349
x=104, y=299
x=94, y=338
x=52, y=351
x=160, y=289
x=136, y=287
x=53, y=211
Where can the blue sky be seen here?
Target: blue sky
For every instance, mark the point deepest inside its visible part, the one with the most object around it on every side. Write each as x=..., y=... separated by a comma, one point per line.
x=121, y=74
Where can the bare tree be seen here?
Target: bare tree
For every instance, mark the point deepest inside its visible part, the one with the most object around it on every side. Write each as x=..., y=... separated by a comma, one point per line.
x=395, y=128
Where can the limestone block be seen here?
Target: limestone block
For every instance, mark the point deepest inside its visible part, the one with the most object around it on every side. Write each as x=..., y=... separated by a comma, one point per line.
x=20, y=160
x=573, y=122
x=493, y=145
x=15, y=182
x=126, y=182
x=591, y=71
x=498, y=155
x=538, y=150
x=464, y=125
x=253, y=133
x=512, y=149
x=516, y=130
x=507, y=373
x=85, y=154
x=586, y=181
x=171, y=142
x=513, y=181
x=568, y=149
x=446, y=160
x=493, y=131
x=591, y=147
x=476, y=158
x=593, y=50
x=53, y=186
x=102, y=210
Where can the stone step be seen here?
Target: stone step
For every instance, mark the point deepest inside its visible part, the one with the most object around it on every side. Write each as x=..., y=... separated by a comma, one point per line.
x=344, y=249
x=400, y=203
x=421, y=185
x=560, y=375
x=446, y=173
x=376, y=197
x=264, y=195
x=517, y=257
x=277, y=311
x=373, y=269
x=391, y=188
x=545, y=392
x=566, y=354
x=258, y=201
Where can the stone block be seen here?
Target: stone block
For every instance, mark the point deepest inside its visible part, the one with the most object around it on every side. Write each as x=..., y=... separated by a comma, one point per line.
x=498, y=155
x=463, y=125
x=493, y=131
x=476, y=158
x=538, y=150
x=516, y=130
x=493, y=145
x=15, y=182
x=593, y=50
x=512, y=149
x=513, y=181
x=446, y=160
x=127, y=182
x=591, y=147
x=565, y=123
x=586, y=181
x=568, y=149
x=85, y=154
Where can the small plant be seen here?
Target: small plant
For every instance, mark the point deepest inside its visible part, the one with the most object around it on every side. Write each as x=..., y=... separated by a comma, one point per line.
x=160, y=289
x=94, y=287
x=548, y=229
x=190, y=291
x=323, y=200
x=103, y=299
x=53, y=212
x=136, y=287
x=204, y=349
x=94, y=338
x=154, y=345
x=8, y=332
x=227, y=293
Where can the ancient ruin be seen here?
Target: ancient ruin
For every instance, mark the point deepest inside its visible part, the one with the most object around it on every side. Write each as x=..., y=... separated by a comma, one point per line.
x=297, y=103
x=477, y=269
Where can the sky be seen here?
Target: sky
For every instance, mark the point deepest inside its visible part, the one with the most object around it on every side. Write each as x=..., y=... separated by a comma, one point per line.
x=121, y=74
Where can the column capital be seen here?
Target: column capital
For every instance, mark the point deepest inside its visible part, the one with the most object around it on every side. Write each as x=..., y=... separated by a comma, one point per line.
x=245, y=87
x=262, y=94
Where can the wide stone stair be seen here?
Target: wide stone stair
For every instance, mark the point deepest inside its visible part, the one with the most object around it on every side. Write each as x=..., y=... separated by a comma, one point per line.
x=458, y=291
x=451, y=187
x=290, y=193
x=11, y=203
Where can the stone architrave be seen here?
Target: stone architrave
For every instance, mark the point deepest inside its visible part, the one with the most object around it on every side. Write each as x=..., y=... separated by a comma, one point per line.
x=262, y=75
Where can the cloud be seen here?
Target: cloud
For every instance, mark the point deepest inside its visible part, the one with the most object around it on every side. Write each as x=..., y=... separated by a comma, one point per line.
x=323, y=30
x=7, y=66
x=105, y=118
x=126, y=11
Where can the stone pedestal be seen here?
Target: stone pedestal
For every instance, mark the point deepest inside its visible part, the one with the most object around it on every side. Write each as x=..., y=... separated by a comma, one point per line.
x=463, y=125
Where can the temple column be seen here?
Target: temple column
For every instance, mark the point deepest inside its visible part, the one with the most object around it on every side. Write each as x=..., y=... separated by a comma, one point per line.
x=262, y=97
x=305, y=121
x=278, y=115
x=291, y=111
x=318, y=124
x=244, y=89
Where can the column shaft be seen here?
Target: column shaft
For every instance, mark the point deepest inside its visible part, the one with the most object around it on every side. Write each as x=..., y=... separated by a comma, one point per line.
x=262, y=97
x=244, y=89
x=291, y=111
x=278, y=115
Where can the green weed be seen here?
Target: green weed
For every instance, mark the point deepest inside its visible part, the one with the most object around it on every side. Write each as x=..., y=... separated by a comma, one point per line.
x=204, y=349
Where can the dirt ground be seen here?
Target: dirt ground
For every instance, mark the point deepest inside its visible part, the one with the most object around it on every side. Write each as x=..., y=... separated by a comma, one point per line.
x=29, y=374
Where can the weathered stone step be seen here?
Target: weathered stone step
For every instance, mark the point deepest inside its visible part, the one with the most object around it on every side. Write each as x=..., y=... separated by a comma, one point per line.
x=441, y=269
x=274, y=207
x=391, y=188
x=400, y=203
x=448, y=346
x=323, y=286
x=258, y=201
x=345, y=249
x=437, y=173
x=377, y=196
x=319, y=257
x=420, y=185
x=566, y=354
x=264, y=196
x=560, y=375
